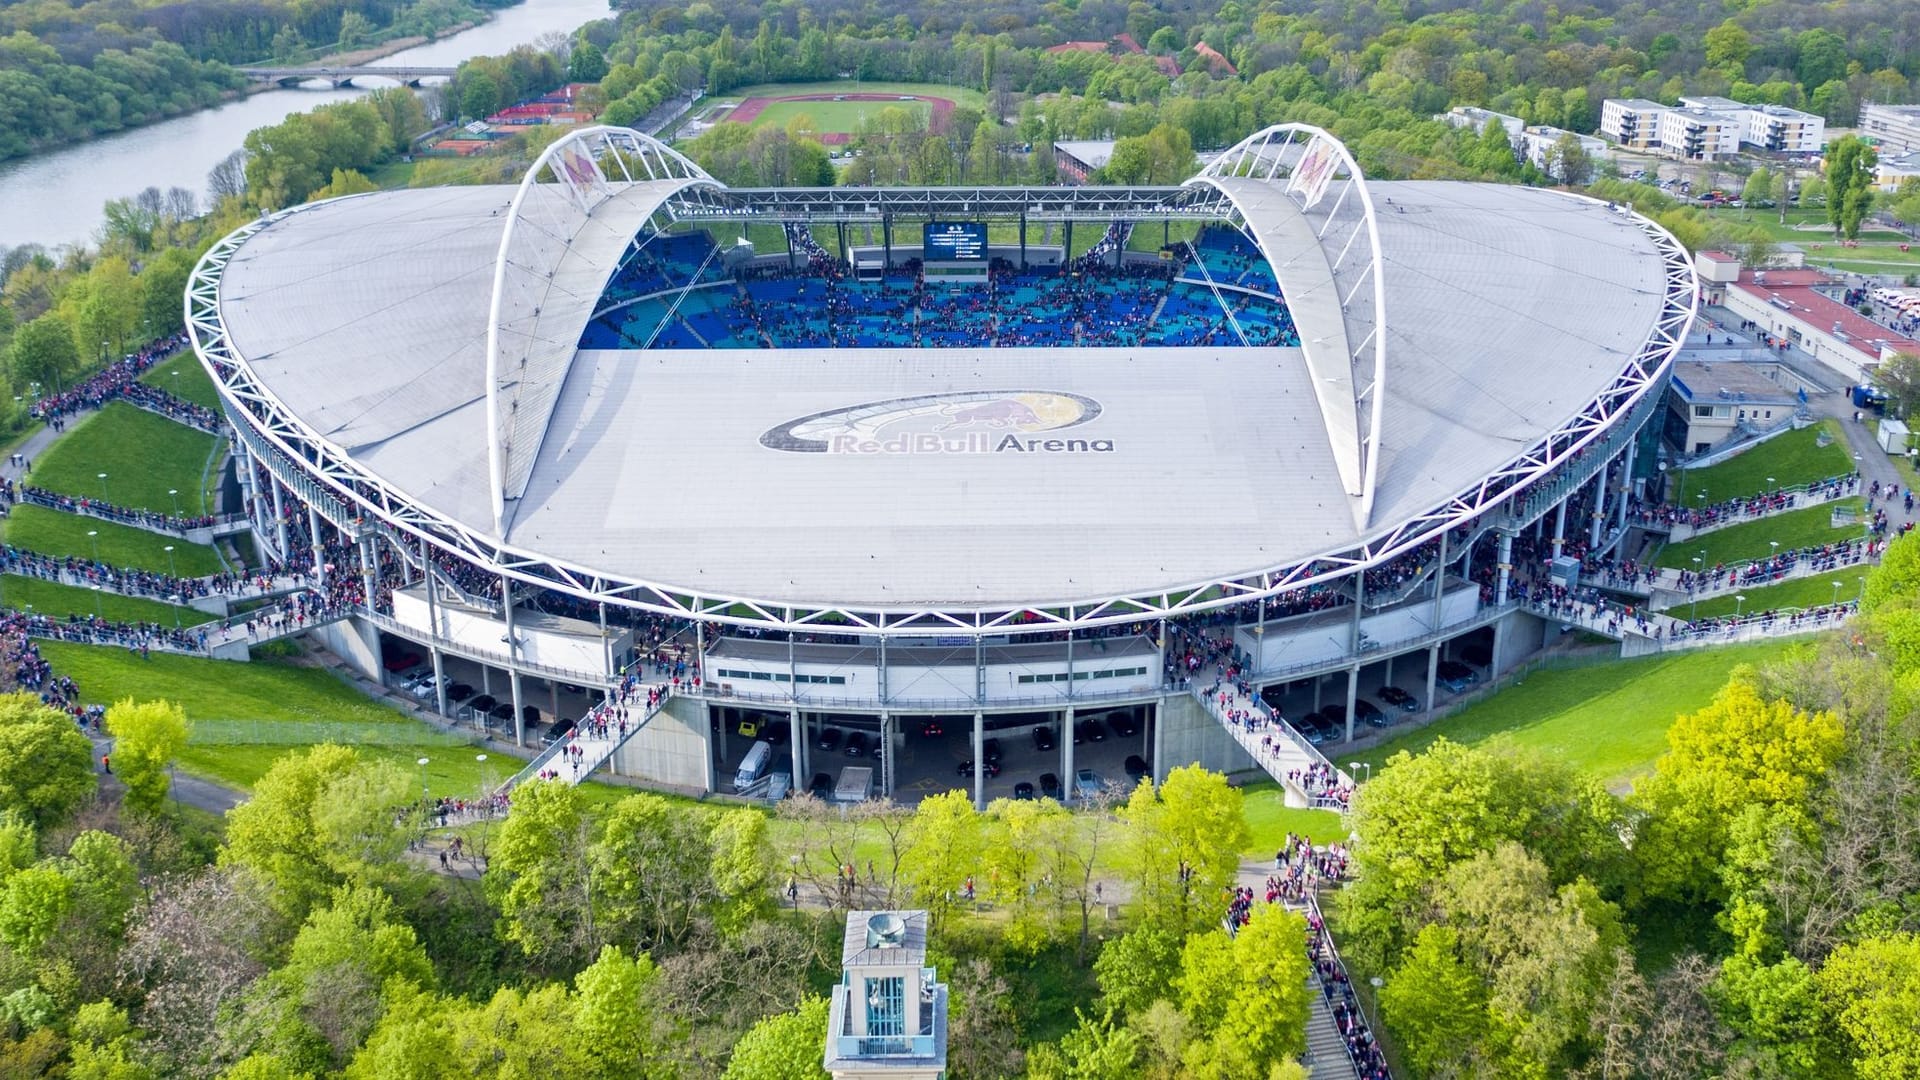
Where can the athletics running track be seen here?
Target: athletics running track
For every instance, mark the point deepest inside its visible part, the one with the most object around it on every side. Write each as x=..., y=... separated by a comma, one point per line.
x=749, y=110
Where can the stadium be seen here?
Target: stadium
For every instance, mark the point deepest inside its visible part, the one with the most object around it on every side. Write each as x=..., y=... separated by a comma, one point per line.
x=927, y=472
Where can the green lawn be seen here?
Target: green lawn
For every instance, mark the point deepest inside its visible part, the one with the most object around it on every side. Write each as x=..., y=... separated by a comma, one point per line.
x=829, y=117
x=184, y=378
x=959, y=95
x=1755, y=539
x=1608, y=720
x=1802, y=593
x=53, y=598
x=1271, y=819
x=1789, y=459
x=143, y=455
x=51, y=532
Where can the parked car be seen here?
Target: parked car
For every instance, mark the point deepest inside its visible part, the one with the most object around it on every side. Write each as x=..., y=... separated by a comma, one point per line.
x=1023, y=790
x=529, y=715
x=558, y=731
x=1336, y=715
x=483, y=703
x=931, y=729
x=1124, y=724
x=425, y=688
x=1087, y=783
x=1049, y=785
x=1399, y=699
x=1477, y=655
x=1136, y=767
x=990, y=749
x=459, y=692
x=1043, y=740
x=1455, y=676
x=822, y=786
x=503, y=712
x=829, y=739
x=966, y=769
x=1089, y=731
x=1367, y=712
x=777, y=732
x=858, y=743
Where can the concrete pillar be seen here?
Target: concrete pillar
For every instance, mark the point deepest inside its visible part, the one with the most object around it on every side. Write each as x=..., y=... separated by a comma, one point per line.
x=1433, y=673
x=519, y=718
x=439, y=680
x=886, y=755
x=1066, y=757
x=797, y=738
x=1559, y=527
x=369, y=575
x=1599, y=508
x=513, y=654
x=1359, y=607
x=706, y=736
x=279, y=518
x=319, y=549
x=486, y=678
x=1317, y=679
x=979, y=761
x=1626, y=484
x=553, y=698
x=1159, y=745
x=1505, y=567
x=1353, y=695
x=1440, y=578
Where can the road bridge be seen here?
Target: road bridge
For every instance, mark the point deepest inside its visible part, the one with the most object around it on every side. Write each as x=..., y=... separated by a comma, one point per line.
x=339, y=77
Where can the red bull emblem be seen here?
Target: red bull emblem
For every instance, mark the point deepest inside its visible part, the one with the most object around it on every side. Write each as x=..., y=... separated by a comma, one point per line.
x=967, y=422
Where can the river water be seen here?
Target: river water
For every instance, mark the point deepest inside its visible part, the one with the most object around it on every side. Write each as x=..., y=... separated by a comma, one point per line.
x=55, y=198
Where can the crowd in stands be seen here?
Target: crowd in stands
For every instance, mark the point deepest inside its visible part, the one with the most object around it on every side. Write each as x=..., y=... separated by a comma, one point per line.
x=672, y=293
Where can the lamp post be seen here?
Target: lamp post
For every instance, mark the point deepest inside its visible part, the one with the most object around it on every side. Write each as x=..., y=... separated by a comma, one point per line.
x=1775, y=545
x=1862, y=598
x=1836, y=592
x=423, y=778
x=103, y=488
x=93, y=537
x=1770, y=489
x=175, y=494
x=96, y=604
x=1693, y=614
x=1739, y=601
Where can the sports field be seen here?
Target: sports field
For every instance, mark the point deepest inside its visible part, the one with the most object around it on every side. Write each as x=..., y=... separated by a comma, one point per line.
x=837, y=109
x=834, y=117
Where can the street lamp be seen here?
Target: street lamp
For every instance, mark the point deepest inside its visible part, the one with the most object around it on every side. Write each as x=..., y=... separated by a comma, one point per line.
x=423, y=778
x=175, y=493
x=96, y=604
x=1698, y=568
x=93, y=537
x=103, y=488
x=1739, y=601
x=1769, y=485
x=1775, y=545
x=1836, y=592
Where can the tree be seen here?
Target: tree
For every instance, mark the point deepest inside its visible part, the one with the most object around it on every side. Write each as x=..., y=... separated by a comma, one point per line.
x=1096, y=1049
x=943, y=852
x=1739, y=751
x=738, y=868
x=539, y=875
x=1872, y=990
x=586, y=63
x=344, y=182
x=46, y=765
x=163, y=282
x=43, y=352
x=1849, y=184
x=1436, y=1005
x=1182, y=846
x=1494, y=152
x=1137, y=968
x=1727, y=46
x=613, y=1019
x=147, y=736
x=317, y=820
x=1899, y=376
x=1568, y=161
x=192, y=949
x=786, y=1046
x=228, y=179
x=1263, y=1000
x=1758, y=189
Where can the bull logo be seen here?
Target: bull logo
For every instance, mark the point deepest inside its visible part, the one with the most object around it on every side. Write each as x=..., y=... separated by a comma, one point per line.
x=933, y=423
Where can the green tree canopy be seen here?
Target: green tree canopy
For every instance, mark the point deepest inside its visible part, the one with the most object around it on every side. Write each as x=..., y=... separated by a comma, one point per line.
x=147, y=737
x=46, y=764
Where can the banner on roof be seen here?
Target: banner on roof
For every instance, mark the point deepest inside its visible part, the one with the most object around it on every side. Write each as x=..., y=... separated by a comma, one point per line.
x=1314, y=171
x=575, y=167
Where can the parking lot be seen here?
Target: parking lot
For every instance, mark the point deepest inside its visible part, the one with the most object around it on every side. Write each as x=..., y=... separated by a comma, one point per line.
x=480, y=697
x=1322, y=717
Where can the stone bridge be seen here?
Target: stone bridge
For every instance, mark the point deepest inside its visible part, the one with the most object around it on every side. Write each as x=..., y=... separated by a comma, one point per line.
x=339, y=77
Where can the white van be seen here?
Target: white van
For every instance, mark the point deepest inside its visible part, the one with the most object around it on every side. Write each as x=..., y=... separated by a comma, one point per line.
x=753, y=766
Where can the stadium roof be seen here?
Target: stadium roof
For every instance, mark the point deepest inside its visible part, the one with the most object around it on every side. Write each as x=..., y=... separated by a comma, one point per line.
x=1513, y=310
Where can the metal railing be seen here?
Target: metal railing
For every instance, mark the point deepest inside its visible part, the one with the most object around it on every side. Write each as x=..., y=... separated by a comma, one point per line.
x=580, y=676
x=1318, y=924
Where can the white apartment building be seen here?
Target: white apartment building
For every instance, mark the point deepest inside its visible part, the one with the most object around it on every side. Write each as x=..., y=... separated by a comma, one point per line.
x=1537, y=140
x=1475, y=119
x=1633, y=123
x=1707, y=128
x=1896, y=126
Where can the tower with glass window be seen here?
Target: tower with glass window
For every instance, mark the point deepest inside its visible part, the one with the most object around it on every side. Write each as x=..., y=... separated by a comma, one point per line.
x=888, y=1016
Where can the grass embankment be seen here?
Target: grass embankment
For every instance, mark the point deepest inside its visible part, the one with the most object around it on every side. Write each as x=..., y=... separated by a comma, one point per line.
x=144, y=455
x=1782, y=461
x=51, y=532
x=184, y=378
x=1607, y=720
x=1805, y=592
x=57, y=600
x=1878, y=251
x=1810, y=527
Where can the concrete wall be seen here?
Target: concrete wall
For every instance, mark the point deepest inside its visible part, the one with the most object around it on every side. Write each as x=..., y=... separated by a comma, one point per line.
x=1518, y=636
x=354, y=640
x=1188, y=734
x=672, y=748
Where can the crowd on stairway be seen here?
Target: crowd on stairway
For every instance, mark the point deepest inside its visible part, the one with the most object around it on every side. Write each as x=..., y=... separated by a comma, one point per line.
x=127, y=581
x=105, y=385
x=12, y=493
x=1817, y=559
x=179, y=410
x=1644, y=513
x=1363, y=1049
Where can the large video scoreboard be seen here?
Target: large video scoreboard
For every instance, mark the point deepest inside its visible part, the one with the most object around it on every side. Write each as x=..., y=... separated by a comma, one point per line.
x=954, y=241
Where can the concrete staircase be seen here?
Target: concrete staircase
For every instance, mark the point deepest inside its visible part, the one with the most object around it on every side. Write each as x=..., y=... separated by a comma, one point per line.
x=1285, y=751
x=1326, y=1057
x=594, y=750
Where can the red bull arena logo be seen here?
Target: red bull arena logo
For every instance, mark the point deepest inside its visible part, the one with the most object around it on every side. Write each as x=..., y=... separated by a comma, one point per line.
x=969, y=422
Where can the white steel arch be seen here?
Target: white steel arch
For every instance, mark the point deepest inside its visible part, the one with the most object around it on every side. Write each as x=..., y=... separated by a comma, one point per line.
x=576, y=210
x=1348, y=360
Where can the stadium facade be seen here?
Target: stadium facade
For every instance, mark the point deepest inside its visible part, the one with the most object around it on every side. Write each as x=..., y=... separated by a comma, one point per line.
x=987, y=482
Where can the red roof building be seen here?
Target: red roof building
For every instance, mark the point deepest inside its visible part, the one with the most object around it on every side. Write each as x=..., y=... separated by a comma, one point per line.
x=1213, y=58
x=1789, y=310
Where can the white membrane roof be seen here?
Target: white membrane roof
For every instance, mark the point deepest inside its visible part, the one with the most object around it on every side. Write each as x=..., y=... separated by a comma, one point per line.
x=1509, y=310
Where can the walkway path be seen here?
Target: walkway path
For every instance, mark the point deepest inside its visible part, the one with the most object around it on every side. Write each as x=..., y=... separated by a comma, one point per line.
x=1274, y=744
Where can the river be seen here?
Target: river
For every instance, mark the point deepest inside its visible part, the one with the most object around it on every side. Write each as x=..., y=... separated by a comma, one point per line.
x=55, y=198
